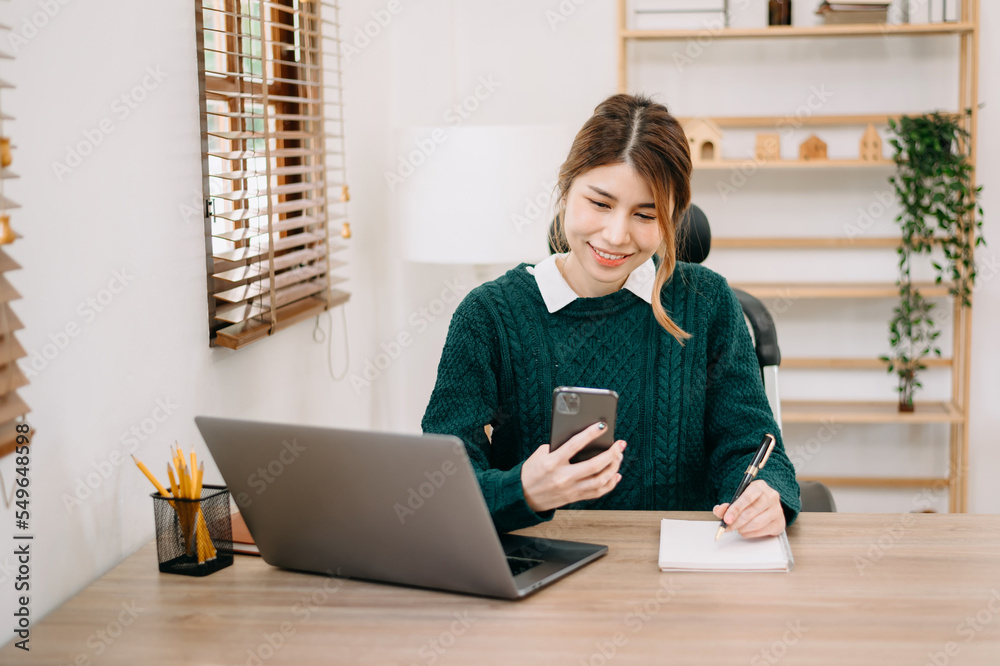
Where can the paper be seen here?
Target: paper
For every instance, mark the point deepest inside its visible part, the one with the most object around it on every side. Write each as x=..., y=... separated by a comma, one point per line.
x=690, y=545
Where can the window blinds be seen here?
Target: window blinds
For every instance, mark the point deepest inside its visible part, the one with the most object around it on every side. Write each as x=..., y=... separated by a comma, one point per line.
x=12, y=407
x=273, y=163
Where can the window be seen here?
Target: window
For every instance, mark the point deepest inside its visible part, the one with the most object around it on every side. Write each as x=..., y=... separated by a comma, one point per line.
x=273, y=163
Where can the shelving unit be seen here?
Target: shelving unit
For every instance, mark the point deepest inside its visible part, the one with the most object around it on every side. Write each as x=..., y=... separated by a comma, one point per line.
x=953, y=412
x=726, y=165
x=815, y=243
x=845, y=363
x=771, y=290
x=790, y=31
x=816, y=411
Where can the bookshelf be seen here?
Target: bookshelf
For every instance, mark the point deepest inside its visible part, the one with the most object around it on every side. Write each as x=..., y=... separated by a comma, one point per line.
x=953, y=412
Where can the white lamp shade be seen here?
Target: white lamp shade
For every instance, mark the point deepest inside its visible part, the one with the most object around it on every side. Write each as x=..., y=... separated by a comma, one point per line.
x=478, y=195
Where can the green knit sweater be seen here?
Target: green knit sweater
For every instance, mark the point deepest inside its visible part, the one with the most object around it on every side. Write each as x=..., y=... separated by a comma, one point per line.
x=692, y=415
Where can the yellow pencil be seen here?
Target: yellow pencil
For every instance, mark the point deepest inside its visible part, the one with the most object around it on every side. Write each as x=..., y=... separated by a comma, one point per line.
x=198, y=479
x=149, y=475
x=182, y=476
x=194, y=467
x=173, y=480
x=180, y=479
x=186, y=483
x=206, y=549
x=186, y=515
x=179, y=466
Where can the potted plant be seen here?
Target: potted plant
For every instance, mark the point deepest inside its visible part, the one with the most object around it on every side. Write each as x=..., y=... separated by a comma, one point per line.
x=933, y=182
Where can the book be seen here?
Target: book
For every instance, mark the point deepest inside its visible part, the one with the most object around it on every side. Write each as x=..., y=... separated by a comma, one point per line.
x=690, y=545
x=854, y=12
x=242, y=540
x=857, y=3
x=674, y=15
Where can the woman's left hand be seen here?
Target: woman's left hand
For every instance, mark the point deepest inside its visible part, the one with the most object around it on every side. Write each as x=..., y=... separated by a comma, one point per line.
x=756, y=513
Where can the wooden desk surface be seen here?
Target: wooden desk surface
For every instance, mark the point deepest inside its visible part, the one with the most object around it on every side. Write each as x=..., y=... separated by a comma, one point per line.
x=867, y=589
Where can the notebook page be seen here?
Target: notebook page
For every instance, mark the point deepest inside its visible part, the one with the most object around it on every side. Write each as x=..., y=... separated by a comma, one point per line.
x=691, y=545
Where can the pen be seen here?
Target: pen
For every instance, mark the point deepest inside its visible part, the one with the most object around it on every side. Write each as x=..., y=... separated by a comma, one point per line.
x=763, y=453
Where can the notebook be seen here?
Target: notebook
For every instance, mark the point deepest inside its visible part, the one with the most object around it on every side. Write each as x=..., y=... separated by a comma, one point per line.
x=242, y=540
x=690, y=545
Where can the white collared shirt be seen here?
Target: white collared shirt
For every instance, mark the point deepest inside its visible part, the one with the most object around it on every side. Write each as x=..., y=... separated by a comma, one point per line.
x=557, y=293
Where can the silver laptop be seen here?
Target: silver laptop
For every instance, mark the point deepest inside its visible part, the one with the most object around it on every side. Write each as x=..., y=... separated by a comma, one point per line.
x=403, y=509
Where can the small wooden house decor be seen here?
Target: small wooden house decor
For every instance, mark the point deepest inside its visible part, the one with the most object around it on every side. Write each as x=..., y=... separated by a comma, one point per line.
x=768, y=147
x=813, y=148
x=871, y=145
x=705, y=139
x=7, y=235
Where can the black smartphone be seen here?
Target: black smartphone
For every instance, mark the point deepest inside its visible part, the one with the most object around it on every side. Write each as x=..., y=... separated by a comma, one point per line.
x=576, y=408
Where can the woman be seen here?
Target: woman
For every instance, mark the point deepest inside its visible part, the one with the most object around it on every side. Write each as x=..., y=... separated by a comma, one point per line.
x=692, y=407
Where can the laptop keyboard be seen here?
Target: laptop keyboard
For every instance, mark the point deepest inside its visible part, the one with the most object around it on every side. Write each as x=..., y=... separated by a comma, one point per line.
x=521, y=564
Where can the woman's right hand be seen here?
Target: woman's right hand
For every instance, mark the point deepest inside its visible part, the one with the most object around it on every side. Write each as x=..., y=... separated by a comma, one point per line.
x=551, y=481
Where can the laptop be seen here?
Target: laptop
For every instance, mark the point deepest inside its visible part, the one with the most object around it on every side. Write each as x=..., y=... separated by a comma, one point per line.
x=394, y=508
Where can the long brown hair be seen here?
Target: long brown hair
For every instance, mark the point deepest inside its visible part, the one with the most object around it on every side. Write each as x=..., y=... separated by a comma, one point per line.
x=635, y=130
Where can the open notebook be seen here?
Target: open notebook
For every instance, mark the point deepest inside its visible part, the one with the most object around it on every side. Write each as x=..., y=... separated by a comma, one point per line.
x=690, y=545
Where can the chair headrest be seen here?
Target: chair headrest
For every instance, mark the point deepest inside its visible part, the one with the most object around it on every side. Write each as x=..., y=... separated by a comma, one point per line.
x=694, y=237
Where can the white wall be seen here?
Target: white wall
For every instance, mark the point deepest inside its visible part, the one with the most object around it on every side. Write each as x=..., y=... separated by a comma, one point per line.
x=121, y=209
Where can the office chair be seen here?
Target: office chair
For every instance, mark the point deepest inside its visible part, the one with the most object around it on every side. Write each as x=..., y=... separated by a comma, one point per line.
x=694, y=240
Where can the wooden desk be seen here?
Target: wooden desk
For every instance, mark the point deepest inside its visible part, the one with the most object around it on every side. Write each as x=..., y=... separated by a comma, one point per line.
x=867, y=589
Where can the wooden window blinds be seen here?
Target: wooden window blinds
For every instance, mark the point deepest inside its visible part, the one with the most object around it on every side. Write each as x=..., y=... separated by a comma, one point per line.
x=273, y=163
x=12, y=408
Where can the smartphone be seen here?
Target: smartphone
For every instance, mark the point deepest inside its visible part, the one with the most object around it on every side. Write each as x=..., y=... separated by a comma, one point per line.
x=576, y=408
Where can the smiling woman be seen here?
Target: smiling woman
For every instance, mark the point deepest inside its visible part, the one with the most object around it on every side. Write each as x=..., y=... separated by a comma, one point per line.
x=627, y=175
x=617, y=311
x=609, y=235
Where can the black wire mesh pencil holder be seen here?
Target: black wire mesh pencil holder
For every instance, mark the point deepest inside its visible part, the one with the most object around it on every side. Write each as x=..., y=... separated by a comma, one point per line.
x=194, y=537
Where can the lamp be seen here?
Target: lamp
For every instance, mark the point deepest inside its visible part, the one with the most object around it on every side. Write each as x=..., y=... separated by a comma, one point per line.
x=477, y=195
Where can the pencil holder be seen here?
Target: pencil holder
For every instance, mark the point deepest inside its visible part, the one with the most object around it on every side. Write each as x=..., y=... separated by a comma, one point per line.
x=194, y=537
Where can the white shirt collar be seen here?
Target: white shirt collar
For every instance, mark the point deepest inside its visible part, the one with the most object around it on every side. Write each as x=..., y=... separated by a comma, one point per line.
x=557, y=293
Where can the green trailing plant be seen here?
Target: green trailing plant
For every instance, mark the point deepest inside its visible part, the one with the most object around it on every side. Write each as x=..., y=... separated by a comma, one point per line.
x=940, y=209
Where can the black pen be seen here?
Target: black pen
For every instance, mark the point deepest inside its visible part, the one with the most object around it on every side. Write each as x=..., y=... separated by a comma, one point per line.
x=763, y=453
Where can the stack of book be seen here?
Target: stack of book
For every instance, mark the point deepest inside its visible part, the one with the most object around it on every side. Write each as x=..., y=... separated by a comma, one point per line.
x=675, y=15
x=854, y=11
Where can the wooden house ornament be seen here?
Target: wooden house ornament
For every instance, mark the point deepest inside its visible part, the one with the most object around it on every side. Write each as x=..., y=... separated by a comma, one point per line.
x=7, y=235
x=768, y=147
x=812, y=149
x=705, y=139
x=871, y=145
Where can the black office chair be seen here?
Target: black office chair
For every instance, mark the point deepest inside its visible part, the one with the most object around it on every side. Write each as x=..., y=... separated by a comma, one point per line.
x=694, y=240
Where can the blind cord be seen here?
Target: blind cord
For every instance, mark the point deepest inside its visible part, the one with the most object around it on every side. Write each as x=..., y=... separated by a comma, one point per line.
x=320, y=336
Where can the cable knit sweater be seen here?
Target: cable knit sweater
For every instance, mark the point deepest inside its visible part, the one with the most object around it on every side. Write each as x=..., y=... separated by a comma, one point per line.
x=692, y=415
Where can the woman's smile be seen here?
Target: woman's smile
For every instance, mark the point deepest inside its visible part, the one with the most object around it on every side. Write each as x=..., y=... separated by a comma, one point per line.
x=609, y=259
